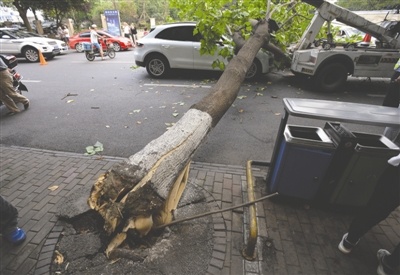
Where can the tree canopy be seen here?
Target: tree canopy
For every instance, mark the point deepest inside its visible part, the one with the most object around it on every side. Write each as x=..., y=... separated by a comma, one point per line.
x=222, y=17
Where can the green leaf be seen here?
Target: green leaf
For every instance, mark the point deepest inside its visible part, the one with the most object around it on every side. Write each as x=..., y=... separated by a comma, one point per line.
x=90, y=149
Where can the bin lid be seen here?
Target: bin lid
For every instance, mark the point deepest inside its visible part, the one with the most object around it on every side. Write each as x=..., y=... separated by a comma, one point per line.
x=376, y=144
x=309, y=136
x=343, y=111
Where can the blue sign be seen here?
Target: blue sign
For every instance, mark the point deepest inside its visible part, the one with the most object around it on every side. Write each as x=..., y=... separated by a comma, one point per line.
x=113, y=22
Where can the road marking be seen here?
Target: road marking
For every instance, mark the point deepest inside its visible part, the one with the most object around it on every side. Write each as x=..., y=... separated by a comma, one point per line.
x=375, y=95
x=178, y=85
x=31, y=81
x=119, y=62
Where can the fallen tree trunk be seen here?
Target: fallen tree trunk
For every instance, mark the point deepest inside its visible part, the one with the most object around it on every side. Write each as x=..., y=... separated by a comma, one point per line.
x=142, y=192
x=279, y=55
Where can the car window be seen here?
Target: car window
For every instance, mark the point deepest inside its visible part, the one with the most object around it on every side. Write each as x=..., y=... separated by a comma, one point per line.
x=179, y=33
x=103, y=33
x=3, y=33
x=85, y=34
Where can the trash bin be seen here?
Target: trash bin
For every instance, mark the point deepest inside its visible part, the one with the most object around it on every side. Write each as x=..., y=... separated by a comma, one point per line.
x=344, y=141
x=303, y=158
x=365, y=165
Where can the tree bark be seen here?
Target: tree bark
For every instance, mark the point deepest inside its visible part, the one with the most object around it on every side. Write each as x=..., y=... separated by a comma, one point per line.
x=22, y=13
x=142, y=192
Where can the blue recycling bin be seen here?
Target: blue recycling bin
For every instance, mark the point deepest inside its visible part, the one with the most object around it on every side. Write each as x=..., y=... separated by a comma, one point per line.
x=304, y=156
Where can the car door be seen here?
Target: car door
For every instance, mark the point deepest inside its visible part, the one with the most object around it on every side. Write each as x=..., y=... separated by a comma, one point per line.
x=176, y=44
x=205, y=61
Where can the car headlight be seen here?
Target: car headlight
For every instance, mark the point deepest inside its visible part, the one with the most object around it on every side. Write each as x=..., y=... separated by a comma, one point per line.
x=39, y=43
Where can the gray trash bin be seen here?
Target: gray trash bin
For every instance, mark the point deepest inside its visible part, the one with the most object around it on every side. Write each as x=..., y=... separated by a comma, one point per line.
x=365, y=165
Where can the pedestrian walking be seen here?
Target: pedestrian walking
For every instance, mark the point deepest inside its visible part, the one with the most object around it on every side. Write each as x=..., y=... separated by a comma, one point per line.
x=9, y=223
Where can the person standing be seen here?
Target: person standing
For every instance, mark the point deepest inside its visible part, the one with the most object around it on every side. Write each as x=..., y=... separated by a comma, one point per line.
x=8, y=223
x=386, y=198
x=392, y=99
x=396, y=73
x=66, y=34
x=145, y=32
x=60, y=33
x=127, y=31
x=94, y=39
x=8, y=95
x=134, y=33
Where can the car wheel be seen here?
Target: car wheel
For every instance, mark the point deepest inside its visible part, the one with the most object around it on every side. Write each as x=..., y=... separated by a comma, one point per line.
x=326, y=46
x=157, y=66
x=79, y=47
x=31, y=54
x=254, y=71
x=331, y=77
x=116, y=46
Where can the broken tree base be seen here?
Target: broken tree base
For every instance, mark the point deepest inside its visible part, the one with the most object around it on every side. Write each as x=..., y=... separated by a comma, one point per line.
x=182, y=249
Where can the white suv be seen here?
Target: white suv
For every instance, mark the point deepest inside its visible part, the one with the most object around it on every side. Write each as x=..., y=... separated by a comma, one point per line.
x=174, y=46
x=14, y=42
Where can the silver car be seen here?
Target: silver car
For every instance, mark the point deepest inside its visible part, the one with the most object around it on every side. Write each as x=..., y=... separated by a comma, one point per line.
x=174, y=46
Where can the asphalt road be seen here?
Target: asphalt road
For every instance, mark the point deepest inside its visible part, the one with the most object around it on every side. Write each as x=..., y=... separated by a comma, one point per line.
x=124, y=109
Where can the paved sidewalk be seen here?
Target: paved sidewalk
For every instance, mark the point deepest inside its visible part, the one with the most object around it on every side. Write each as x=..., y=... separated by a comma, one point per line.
x=293, y=238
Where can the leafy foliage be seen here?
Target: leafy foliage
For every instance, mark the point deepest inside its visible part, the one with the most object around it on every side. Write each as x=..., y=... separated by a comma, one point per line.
x=96, y=148
x=216, y=18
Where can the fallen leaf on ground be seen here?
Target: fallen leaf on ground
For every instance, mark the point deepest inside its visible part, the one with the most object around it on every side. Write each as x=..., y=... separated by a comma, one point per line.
x=59, y=258
x=53, y=188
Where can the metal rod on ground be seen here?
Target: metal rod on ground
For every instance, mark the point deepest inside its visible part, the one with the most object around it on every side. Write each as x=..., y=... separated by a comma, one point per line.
x=217, y=211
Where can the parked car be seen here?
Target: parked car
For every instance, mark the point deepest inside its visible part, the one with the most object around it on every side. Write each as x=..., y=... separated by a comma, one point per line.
x=174, y=46
x=353, y=35
x=18, y=43
x=120, y=43
x=61, y=44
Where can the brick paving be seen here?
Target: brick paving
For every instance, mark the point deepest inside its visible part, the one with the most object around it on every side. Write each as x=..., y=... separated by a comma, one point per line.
x=294, y=238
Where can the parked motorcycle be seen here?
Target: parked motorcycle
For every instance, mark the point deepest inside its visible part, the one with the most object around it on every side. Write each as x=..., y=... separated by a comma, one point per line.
x=91, y=51
x=11, y=62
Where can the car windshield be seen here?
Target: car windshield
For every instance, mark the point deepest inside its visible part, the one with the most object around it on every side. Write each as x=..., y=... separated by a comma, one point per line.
x=353, y=31
x=17, y=33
